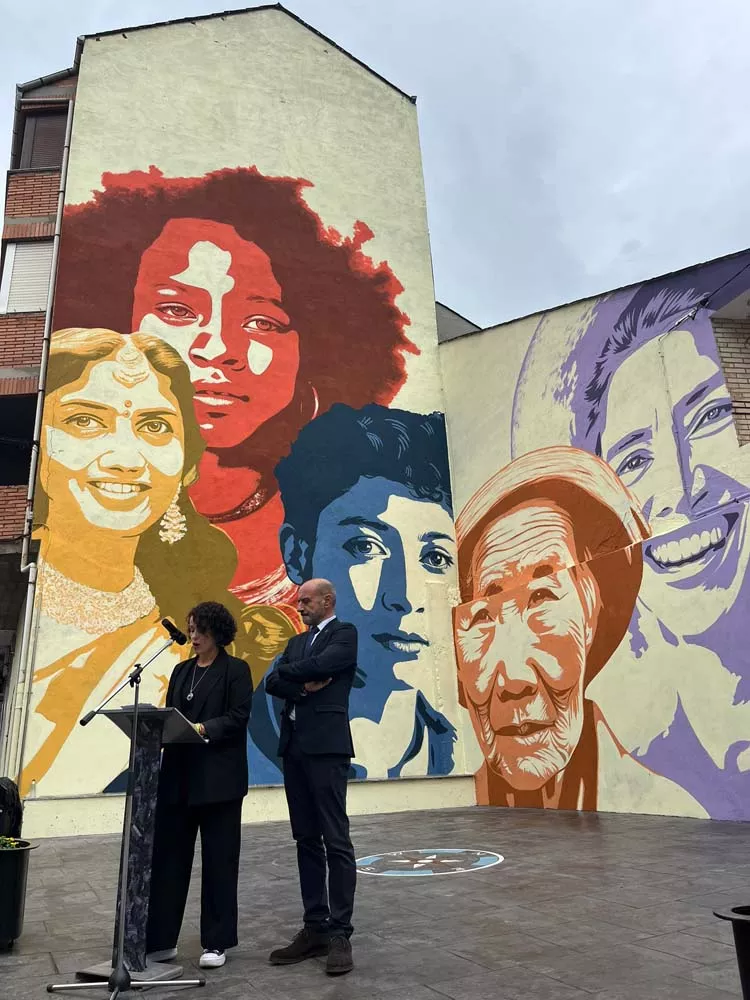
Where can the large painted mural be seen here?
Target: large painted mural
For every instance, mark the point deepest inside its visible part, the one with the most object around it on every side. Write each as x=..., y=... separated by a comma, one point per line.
x=603, y=553
x=243, y=393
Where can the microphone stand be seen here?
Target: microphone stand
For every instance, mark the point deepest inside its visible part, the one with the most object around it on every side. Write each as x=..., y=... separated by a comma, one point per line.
x=120, y=980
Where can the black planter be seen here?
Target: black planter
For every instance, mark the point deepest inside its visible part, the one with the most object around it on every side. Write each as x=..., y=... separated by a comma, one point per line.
x=739, y=917
x=14, y=870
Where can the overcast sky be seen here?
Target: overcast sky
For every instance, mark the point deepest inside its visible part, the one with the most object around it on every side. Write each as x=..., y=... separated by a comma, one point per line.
x=569, y=147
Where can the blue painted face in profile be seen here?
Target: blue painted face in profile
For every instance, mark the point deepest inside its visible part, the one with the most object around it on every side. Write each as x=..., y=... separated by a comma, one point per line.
x=382, y=548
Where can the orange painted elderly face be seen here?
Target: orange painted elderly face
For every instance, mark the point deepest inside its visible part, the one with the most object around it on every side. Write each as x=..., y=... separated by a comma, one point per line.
x=522, y=643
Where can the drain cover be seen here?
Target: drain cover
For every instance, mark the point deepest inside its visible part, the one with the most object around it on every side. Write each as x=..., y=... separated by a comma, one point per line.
x=428, y=861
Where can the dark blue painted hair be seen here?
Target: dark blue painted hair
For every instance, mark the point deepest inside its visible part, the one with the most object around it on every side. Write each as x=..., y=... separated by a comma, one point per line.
x=334, y=451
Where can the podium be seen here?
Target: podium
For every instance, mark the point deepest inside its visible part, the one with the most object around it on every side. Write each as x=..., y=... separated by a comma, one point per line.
x=156, y=727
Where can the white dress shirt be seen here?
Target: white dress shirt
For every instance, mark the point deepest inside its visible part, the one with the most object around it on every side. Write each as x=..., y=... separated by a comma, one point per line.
x=321, y=626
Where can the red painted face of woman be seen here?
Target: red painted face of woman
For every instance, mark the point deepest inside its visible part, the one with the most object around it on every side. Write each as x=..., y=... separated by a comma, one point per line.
x=213, y=297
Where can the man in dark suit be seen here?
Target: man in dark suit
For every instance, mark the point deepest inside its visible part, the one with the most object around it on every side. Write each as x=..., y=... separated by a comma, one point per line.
x=314, y=676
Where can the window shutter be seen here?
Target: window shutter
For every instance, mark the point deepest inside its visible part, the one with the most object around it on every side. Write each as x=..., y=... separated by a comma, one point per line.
x=43, y=140
x=29, y=277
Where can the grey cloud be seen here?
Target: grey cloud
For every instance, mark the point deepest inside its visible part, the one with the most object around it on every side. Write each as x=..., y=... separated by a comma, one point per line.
x=568, y=148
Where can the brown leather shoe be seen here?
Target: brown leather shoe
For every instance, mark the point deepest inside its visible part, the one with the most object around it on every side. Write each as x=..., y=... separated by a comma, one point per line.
x=307, y=944
x=339, y=956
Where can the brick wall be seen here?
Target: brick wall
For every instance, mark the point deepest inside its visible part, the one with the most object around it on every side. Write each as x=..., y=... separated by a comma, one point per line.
x=35, y=105
x=12, y=510
x=32, y=194
x=28, y=230
x=21, y=339
x=733, y=342
x=21, y=386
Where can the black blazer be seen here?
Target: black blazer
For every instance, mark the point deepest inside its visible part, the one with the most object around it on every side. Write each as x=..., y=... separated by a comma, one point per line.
x=216, y=771
x=322, y=717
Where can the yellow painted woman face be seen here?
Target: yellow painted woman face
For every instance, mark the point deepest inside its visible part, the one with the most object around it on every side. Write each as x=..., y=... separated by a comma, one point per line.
x=113, y=447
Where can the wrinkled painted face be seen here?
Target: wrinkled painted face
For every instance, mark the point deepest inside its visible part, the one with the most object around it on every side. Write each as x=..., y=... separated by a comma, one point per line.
x=213, y=297
x=670, y=448
x=522, y=643
x=113, y=450
x=381, y=548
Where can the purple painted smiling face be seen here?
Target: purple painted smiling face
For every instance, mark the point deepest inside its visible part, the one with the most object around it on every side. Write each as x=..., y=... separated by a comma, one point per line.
x=670, y=450
x=639, y=371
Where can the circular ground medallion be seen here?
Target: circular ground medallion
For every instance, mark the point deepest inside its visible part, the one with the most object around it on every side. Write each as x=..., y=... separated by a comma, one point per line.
x=438, y=861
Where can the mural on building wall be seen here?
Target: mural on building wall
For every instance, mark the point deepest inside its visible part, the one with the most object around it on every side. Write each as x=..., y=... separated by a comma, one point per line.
x=549, y=567
x=375, y=517
x=266, y=306
x=633, y=378
x=232, y=439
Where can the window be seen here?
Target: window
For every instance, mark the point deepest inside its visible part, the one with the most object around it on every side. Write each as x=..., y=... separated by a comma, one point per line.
x=26, y=273
x=17, y=422
x=43, y=140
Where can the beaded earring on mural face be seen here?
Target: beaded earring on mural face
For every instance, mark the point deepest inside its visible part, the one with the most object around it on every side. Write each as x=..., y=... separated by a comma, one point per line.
x=173, y=524
x=310, y=407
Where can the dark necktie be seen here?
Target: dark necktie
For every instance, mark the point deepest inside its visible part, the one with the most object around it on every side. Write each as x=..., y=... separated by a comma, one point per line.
x=310, y=636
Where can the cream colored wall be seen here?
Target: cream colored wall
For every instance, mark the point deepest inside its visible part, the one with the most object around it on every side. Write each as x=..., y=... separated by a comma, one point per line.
x=102, y=814
x=481, y=383
x=479, y=376
x=673, y=695
x=260, y=90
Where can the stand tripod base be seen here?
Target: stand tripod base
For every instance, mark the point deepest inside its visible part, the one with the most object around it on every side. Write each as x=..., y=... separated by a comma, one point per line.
x=70, y=987
x=155, y=974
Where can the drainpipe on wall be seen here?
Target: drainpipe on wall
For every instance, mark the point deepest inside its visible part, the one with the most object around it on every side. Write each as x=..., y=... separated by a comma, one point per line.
x=15, y=138
x=23, y=683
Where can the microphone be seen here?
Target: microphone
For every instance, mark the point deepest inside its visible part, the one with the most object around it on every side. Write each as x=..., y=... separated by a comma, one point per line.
x=174, y=633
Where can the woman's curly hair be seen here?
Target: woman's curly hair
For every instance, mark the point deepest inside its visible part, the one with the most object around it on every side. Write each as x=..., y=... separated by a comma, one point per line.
x=212, y=618
x=352, y=334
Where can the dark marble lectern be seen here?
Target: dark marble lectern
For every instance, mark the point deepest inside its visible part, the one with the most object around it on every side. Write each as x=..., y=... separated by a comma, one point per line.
x=156, y=727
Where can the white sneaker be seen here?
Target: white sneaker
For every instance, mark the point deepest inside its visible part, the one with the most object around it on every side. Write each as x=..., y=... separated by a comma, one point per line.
x=162, y=956
x=212, y=959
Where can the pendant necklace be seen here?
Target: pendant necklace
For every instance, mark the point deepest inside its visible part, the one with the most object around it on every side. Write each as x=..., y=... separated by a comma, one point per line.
x=193, y=685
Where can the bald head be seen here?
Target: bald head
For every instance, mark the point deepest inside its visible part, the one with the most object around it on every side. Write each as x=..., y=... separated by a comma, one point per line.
x=316, y=601
x=323, y=587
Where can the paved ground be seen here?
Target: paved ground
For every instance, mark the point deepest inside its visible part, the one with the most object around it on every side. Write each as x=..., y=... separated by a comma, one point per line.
x=609, y=907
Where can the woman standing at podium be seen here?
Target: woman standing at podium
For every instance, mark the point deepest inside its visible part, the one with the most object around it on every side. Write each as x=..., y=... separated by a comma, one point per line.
x=201, y=787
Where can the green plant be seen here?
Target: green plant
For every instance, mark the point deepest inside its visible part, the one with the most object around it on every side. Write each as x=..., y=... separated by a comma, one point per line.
x=10, y=844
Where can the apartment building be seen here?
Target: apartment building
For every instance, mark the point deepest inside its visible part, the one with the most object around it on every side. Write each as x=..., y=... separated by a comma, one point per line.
x=247, y=198
x=247, y=383
x=33, y=212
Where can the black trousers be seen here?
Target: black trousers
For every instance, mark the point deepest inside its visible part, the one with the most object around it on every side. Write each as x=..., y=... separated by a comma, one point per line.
x=316, y=793
x=174, y=845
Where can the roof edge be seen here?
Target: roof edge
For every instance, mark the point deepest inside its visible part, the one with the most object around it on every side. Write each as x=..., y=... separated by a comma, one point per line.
x=460, y=315
x=231, y=13
x=599, y=295
x=43, y=81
